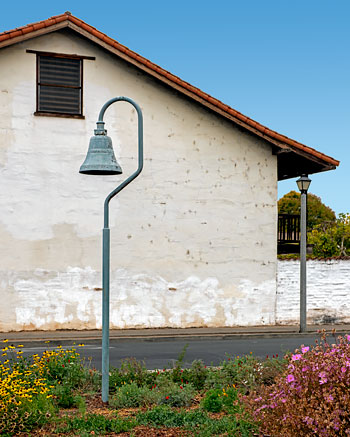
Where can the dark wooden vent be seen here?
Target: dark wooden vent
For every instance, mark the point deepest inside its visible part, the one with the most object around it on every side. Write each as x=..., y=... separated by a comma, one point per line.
x=59, y=85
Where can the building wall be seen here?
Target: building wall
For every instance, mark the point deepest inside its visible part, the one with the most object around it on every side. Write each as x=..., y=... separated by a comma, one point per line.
x=193, y=239
x=328, y=298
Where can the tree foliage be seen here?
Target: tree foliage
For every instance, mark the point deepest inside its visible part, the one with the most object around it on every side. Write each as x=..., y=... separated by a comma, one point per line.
x=331, y=239
x=317, y=212
x=329, y=235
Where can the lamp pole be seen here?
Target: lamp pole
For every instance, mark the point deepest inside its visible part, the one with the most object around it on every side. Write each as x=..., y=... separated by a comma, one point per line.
x=101, y=160
x=303, y=184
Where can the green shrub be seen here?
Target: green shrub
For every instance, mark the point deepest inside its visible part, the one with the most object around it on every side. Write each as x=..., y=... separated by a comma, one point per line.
x=311, y=397
x=246, y=373
x=242, y=372
x=168, y=393
x=64, y=397
x=212, y=401
x=132, y=396
x=91, y=381
x=131, y=371
x=197, y=374
x=174, y=394
x=216, y=400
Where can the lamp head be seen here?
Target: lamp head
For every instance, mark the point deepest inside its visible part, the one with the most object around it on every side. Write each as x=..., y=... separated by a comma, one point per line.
x=100, y=159
x=303, y=183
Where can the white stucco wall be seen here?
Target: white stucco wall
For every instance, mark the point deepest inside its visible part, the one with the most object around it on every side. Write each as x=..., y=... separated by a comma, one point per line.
x=193, y=239
x=328, y=292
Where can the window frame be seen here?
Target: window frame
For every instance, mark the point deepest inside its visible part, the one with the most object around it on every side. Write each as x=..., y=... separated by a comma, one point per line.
x=40, y=54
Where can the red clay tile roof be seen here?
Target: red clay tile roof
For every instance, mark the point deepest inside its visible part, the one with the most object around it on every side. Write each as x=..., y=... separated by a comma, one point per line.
x=282, y=141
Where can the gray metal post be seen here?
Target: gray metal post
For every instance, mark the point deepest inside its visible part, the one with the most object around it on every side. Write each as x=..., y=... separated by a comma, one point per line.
x=303, y=262
x=106, y=245
x=105, y=313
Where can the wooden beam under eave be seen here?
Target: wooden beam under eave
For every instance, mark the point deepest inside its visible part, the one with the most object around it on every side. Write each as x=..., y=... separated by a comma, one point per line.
x=293, y=165
x=310, y=157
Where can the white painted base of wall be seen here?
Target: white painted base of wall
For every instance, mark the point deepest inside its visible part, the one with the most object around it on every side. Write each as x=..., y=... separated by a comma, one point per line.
x=328, y=292
x=47, y=300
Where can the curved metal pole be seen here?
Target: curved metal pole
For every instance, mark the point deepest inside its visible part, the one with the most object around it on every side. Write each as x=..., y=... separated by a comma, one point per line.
x=140, y=151
x=106, y=241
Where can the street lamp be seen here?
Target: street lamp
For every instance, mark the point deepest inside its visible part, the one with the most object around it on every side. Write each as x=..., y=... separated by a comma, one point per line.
x=303, y=184
x=100, y=160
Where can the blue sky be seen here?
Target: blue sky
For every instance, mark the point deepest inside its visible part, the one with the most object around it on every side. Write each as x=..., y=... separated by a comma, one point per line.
x=286, y=64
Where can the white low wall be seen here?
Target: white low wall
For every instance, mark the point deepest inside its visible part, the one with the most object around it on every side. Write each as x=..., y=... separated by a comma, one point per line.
x=328, y=292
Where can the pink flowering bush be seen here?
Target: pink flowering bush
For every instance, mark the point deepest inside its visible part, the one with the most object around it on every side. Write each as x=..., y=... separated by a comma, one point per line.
x=312, y=396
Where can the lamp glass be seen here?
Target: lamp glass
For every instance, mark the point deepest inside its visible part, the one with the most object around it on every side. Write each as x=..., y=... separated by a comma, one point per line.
x=303, y=183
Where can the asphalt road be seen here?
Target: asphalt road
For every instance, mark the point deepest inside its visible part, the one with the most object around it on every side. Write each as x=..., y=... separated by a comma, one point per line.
x=162, y=353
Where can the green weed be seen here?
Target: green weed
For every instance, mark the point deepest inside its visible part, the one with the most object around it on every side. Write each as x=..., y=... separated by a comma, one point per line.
x=96, y=423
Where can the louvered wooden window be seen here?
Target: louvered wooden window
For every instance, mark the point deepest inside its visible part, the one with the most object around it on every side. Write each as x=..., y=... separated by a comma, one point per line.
x=59, y=87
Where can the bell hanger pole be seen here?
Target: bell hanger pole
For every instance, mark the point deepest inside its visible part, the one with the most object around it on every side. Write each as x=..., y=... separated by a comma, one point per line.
x=140, y=151
x=106, y=240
